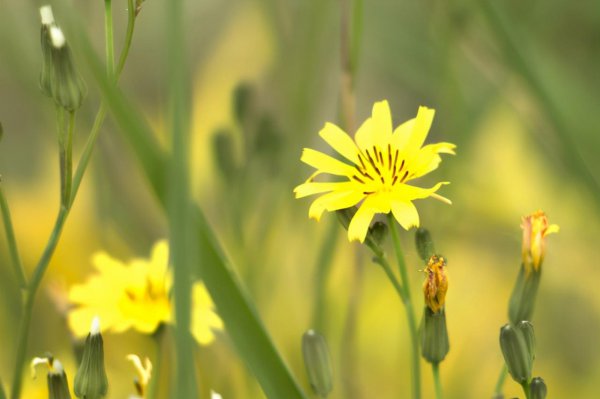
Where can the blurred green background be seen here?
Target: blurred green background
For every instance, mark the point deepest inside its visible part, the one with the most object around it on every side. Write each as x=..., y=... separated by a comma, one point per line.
x=515, y=85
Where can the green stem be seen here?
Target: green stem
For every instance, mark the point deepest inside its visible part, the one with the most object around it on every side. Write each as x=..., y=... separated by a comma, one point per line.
x=30, y=298
x=322, y=271
x=158, y=338
x=11, y=241
x=68, y=161
x=109, y=39
x=435, y=369
x=410, y=313
x=500, y=382
x=525, y=386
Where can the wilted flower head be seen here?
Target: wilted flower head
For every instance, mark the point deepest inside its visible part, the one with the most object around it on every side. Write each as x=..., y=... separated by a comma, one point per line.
x=376, y=168
x=435, y=285
x=137, y=295
x=535, y=229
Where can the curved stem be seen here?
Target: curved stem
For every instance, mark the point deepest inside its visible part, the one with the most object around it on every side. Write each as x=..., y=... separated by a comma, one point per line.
x=500, y=382
x=435, y=369
x=410, y=313
x=12, y=242
x=108, y=31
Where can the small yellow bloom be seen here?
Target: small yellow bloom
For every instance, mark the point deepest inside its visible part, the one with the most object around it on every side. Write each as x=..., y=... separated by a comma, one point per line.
x=137, y=295
x=535, y=229
x=435, y=285
x=377, y=166
x=144, y=373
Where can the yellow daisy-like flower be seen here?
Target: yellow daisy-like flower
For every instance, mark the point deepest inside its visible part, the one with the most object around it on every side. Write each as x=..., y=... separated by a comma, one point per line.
x=137, y=295
x=378, y=164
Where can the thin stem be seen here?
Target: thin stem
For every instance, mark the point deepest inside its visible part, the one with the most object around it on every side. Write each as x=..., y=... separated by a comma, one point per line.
x=410, y=313
x=501, y=379
x=525, y=386
x=30, y=298
x=322, y=271
x=158, y=338
x=68, y=161
x=435, y=369
x=62, y=152
x=108, y=31
x=11, y=241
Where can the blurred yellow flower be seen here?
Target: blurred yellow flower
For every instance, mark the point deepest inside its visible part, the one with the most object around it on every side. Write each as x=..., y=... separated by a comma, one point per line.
x=378, y=164
x=535, y=229
x=137, y=295
x=435, y=285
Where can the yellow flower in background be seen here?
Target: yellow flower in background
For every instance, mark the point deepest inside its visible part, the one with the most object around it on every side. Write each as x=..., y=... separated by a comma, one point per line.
x=377, y=166
x=137, y=295
x=535, y=229
x=436, y=283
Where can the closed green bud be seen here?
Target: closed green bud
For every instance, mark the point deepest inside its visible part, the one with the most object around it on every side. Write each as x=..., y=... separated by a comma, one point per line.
x=522, y=299
x=223, y=148
x=58, y=386
x=378, y=232
x=537, y=388
x=515, y=344
x=434, y=335
x=90, y=380
x=317, y=362
x=346, y=215
x=59, y=78
x=424, y=244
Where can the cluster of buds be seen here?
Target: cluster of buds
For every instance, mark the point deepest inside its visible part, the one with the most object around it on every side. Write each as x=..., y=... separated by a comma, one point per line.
x=59, y=79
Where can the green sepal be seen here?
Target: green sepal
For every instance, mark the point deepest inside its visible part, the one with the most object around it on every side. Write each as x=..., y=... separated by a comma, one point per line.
x=522, y=300
x=58, y=386
x=517, y=345
x=434, y=335
x=317, y=362
x=91, y=381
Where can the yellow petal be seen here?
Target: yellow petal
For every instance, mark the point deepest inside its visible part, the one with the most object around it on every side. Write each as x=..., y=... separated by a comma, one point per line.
x=340, y=141
x=382, y=124
x=402, y=134
x=427, y=158
x=311, y=188
x=553, y=228
x=325, y=163
x=334, y=201
x=364, y=136
x=420, y=130
x=406, y=214
x=405, y=192
x=359, y=225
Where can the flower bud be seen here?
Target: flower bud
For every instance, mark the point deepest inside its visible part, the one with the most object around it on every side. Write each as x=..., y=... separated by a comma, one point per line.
x=435, y=285
x=535, y=229
x=225, y=158
x=91, y=381
x=434, y=335
x=378, y=232
x=516, y=346
x=346, y=215
x=317, y=362
x=58, y=385
x=522, y=299
x=424, y=244
x=59, y=78
x=537, y=388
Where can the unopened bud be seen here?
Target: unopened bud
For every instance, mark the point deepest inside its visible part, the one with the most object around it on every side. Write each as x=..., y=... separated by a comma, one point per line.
x=58, y=385
x=535, y=229
x=91, y=381
x=537, y=388
x=517, y=349
x=424, y=244
x=434, y=335
x=346, y=215
x=223, y=148
x=522, y=299
x=317, y=362
x=378, y=232
x=435, y=285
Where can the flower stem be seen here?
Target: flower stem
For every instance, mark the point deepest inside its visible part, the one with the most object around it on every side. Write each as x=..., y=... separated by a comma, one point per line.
x=525, y=386
x=500, y=382
x=12, y=242
x=108, y=31
x=410, y=313
x=158, y=338
x=435, y=369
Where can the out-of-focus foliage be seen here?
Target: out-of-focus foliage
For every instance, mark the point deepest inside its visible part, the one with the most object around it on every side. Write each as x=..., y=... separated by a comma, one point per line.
x=515, y=86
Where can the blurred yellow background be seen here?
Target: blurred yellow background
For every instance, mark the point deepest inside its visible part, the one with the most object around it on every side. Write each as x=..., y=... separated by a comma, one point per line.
x=518, y=95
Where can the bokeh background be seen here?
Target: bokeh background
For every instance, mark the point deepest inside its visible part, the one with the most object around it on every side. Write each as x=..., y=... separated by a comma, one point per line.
x=515, y=85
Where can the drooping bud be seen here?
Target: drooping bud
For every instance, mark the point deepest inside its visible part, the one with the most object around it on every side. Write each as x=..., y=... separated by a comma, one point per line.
x=424, y=243
x=317, y=362
x=144, y=373
x=91, y=381
x=535, y=229
x=434, y=335
x=537, y=388
x=435, y=285
x=58, y=385
x=516, y=344
x=59, y=78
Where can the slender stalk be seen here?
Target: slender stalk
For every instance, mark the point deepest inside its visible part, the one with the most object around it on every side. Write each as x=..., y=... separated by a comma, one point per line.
x=435, y=369
x=62, y=151
x=501, y=379
x=410, y=313
x=158, y=338
x=69, y=160
x=525, y=386
x=322, y=271
x=30, y=298
x=11, y=241
x=109, y=39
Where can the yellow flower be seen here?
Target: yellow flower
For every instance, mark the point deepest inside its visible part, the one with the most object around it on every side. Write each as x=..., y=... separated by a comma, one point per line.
x=535, y=229
x=436, y=283
x=137, y=295
x=377, y=166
